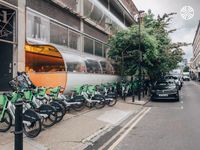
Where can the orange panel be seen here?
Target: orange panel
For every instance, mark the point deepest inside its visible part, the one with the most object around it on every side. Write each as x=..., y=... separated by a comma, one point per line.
x=49, y=79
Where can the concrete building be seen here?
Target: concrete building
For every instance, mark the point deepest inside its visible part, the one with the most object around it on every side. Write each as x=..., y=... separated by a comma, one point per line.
x=78, y=26
x=195, y=61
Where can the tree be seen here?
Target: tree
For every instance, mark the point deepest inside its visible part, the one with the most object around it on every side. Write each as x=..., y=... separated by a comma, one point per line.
x=186, y=69
x=126, y=43
x=160, y=54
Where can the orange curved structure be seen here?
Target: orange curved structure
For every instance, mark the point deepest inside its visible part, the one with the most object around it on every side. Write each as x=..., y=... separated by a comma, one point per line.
x=49, y=79
x=45, y=66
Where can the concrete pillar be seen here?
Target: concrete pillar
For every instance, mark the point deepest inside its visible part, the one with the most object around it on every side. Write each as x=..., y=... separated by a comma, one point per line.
x=21, y=35
x=82, y=27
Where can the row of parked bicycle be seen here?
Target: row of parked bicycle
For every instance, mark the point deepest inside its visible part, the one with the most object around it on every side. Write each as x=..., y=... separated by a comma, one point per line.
x=44, y=107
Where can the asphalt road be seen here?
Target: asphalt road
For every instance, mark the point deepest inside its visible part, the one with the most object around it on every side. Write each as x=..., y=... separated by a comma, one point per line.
x=168, y=125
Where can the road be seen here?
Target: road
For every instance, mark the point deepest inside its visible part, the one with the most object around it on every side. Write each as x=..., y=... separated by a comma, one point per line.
x=168, y=125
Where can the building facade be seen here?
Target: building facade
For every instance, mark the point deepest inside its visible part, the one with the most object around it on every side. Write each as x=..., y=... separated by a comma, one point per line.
x=78, y=26
x=195, y=61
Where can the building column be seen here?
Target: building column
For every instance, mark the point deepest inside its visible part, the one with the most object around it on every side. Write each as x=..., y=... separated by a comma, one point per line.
x=21, y=29
x=82, y=27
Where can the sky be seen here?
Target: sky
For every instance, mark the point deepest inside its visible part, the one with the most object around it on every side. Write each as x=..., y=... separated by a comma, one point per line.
x=186, y=29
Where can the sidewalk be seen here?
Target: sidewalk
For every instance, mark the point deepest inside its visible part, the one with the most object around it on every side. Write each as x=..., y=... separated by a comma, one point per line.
x=77, y=130
x=142, y=101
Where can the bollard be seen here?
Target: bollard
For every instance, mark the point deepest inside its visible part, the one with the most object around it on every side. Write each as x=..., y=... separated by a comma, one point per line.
x=19, y=126
x=143, y=93
x=133, y=96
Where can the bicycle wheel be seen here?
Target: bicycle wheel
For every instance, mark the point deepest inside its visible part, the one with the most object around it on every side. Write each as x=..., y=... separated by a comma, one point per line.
x=5, y=122
x=112, y=102
x=100, y=104
x=65, y=108
x=78, y=107
x=31, y=123
x=59, y=110
x=80, y=99
x=51, y=113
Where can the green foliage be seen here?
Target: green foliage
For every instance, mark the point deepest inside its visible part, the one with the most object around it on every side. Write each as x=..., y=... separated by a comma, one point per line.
x=160, y=55
x=186, y=69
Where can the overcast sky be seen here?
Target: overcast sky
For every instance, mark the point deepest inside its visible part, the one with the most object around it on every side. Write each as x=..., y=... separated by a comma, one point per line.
x=186, y=28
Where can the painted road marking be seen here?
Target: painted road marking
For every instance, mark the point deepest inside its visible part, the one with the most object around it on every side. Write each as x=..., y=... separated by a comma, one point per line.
x=129, y=129
x=113, y=116
x=181, y=102
x=121, y=132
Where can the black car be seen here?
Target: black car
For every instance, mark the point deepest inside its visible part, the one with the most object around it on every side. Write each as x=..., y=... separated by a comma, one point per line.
x=166, y=89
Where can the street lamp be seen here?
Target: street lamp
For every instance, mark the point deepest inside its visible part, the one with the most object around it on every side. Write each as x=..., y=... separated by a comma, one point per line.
x=140, y=16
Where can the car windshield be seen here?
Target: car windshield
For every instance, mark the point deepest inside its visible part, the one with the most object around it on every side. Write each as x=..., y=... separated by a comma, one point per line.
x=171, y=82
x=171, y=77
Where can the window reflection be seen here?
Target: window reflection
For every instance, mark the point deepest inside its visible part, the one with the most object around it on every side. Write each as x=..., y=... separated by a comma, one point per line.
x=92, y=66
x=116, y=69
x=58, y=34
x=87, y=7
x=98, y=49
x=96, y=14
x=37, y=27
x=88, y=45
x=93, y=12
x=106, y=67
x=43, y=29
x=74, y=63
x=105, y=50
x=74, y=39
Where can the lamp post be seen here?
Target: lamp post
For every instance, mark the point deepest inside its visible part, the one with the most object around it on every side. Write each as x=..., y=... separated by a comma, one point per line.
x=140, y=15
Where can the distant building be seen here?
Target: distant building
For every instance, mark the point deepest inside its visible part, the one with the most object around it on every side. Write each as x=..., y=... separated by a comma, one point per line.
x=78, y=26
x=185, y=62
x=195, y=61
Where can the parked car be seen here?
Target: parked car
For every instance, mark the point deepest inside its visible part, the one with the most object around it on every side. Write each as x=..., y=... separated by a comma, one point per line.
x=177, y=79
x=172, y=82
x=186, y=78
x=165, y=89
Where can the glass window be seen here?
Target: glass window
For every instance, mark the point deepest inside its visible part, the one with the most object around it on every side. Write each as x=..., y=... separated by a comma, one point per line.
x=38, y=27
x=114, y=27
x=96, y=14
x=105, y=50
x=74, y=63
x=58, y=34
x=92, y=66
x=98, y=49
x=116, y=69
x=74, y=39
x=106, y=67
x=43, y=59
x=75, y=67
x=103, y=21
x=88, y=45
x=87, y=7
